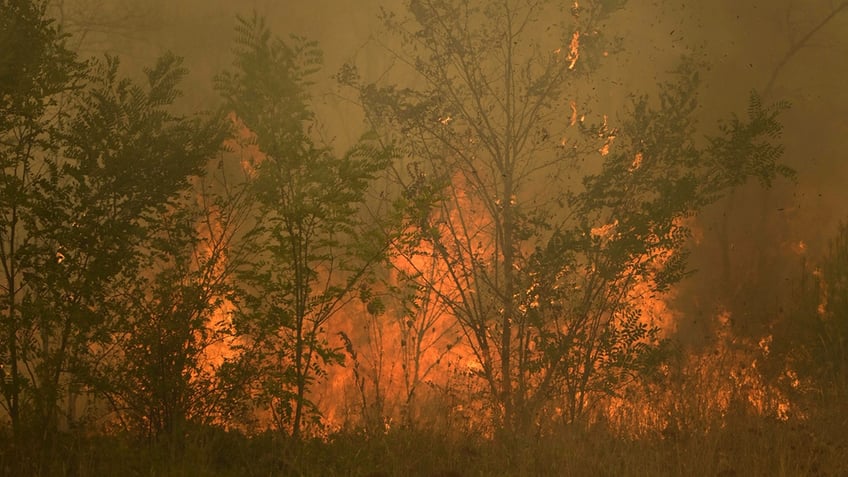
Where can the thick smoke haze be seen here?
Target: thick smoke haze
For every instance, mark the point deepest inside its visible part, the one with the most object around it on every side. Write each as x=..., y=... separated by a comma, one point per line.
x=786, y=50
x=522, y=249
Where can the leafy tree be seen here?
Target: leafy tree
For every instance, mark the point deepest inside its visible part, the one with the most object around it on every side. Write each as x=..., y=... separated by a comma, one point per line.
x=125, y=160
x=549, y=279
x=171, y=357
x=629, y=243
x=749, y=263
x=91, y=163
x=36, y=73
x=312, y=250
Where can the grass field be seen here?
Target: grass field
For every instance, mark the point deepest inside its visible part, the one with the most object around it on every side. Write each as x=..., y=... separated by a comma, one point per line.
x=741, y=447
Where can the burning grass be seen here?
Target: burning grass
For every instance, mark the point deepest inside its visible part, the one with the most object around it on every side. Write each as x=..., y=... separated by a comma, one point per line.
x=743, y=445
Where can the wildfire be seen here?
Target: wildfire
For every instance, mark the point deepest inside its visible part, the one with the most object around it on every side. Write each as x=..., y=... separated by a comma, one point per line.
x=412, y=355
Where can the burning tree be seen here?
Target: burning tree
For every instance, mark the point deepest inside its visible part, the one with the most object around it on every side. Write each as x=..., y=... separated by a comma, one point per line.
x=127, y=169
x=312, y=250
x=550, y=279
x=171, y=358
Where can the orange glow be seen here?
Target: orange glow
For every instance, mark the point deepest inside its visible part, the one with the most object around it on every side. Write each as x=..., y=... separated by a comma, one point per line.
x=412, y=359
x=413, y=356
x=637, y=162
x=573, y=119
x=218, y=351
x=573, y=50
x=604, y=231
x=244, y=144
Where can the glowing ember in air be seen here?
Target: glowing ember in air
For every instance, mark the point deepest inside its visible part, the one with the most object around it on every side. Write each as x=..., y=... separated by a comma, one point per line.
x=244, y=143
x=765, y=344
x=604, y=231
x=573, y=119
x=573, y=50
x=637, y=162
x=607, y=134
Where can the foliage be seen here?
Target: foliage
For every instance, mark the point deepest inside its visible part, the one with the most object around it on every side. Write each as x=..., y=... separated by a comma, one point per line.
x=549, y=281
x=147, y=295
x=748, y=447
x=311, y=250
x=127, y=160
x=93, y=166
x=36, y=73
x=170, y=358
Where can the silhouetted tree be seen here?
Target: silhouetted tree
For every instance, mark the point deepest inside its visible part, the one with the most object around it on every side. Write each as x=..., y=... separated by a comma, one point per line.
x=90, y=163
x=309, y=256
x=171, y=357
x=36, y=72
x=548, y=279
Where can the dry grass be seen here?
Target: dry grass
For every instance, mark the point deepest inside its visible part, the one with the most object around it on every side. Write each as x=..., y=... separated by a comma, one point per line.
x=742, y=447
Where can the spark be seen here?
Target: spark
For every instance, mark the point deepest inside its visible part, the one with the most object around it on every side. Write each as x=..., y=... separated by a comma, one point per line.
x=604, y=230
x=574, y=50
x=637, y=162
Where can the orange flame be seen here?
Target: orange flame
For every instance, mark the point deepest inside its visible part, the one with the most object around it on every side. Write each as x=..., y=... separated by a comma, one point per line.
x=573, y=50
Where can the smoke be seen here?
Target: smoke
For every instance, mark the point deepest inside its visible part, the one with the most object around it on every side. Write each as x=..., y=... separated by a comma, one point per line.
x=747, y=250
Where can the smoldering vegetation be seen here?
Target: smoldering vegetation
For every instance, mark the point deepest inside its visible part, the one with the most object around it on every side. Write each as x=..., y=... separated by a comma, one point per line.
x=423, y=237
